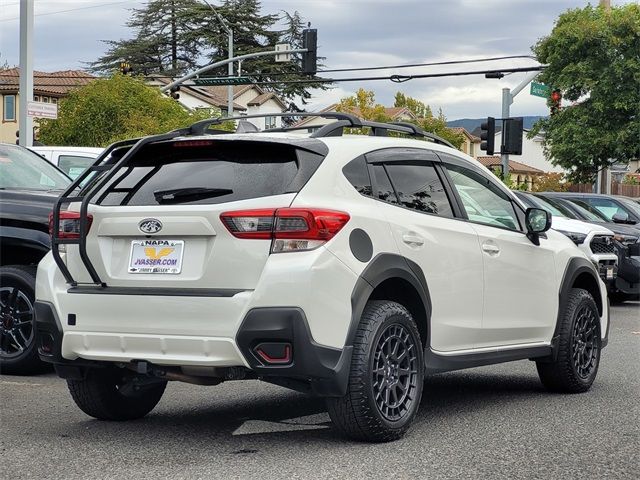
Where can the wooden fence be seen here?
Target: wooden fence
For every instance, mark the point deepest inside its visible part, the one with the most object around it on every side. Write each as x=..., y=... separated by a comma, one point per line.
x=616, y=189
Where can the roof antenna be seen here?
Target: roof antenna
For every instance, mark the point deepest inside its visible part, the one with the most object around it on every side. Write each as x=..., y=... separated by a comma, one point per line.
x=244, y=126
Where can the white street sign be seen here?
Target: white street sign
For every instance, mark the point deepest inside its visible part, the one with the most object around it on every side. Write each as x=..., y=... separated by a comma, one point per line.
x=42, y=110
x=284, y=56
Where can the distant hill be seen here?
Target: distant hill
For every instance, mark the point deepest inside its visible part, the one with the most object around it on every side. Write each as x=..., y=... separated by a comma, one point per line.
x=470, y=124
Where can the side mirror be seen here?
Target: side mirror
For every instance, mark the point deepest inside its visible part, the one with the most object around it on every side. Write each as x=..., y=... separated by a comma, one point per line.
x=620, y=217
x=537, y=221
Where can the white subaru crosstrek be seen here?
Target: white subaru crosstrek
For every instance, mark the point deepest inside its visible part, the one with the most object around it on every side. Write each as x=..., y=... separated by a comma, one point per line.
x=344, y=266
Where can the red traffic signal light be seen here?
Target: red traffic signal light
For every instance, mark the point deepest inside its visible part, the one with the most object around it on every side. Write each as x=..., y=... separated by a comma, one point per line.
x=555, y=100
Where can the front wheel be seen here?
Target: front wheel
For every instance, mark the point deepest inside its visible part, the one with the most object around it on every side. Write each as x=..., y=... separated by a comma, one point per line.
x=101, y=395
x=576, y=365
x=386, y=376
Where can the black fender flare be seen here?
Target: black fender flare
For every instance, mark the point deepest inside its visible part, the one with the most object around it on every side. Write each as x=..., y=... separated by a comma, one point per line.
x=385, y=266
x=576, y=267
x=25, y=237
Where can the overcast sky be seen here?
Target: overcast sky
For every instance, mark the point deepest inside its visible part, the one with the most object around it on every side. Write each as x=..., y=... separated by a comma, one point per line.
x=351, y=33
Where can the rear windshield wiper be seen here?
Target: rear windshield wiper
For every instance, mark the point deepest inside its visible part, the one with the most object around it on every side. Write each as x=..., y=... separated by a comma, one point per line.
x=189, y=194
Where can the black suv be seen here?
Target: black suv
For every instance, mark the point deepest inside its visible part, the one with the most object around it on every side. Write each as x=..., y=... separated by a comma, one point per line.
x=29, y=185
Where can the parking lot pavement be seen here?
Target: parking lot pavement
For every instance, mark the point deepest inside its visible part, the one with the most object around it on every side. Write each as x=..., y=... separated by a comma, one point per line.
x=492, y=422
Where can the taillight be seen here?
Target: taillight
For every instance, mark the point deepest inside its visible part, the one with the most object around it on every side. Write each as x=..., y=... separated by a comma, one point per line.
x=69, y=225
x=290, y=229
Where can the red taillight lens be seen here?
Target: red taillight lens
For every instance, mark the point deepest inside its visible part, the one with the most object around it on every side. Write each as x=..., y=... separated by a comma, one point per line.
x=290, y=229
x=69, y=225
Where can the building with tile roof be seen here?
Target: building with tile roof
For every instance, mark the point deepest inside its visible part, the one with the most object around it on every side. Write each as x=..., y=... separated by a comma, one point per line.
x=520, y=172
x=48, y=87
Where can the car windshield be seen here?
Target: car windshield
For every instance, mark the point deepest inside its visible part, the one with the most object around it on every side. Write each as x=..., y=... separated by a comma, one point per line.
x=587, y=211
x=554, y=207
x=22, y=169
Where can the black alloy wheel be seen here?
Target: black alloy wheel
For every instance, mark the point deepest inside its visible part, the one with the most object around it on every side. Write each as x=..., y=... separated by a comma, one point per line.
x=18, y=352
x=395, y=372
x=586, y=343
x=16, y=322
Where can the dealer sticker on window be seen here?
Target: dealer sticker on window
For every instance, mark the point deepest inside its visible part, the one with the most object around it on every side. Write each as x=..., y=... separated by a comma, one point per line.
x=156, y=256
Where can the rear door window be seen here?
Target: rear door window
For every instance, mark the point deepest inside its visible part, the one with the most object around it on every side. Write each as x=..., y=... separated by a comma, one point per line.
x=419, y=187
x=217, y=172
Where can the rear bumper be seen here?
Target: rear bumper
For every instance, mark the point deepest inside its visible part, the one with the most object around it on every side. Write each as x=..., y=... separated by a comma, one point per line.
x=311, y=367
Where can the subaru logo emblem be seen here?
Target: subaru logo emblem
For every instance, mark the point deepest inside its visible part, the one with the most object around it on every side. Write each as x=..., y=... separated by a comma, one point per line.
x=150, y=225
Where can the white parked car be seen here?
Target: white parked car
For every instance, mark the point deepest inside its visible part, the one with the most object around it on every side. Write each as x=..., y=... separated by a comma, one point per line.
x=71, y=160
x=595, y=240
x=345, y=266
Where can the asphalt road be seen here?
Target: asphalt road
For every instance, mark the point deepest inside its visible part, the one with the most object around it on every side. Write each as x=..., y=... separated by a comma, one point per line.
x=492, y=422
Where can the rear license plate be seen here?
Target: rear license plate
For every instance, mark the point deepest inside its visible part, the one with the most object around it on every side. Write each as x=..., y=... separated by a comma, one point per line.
x=156, y=256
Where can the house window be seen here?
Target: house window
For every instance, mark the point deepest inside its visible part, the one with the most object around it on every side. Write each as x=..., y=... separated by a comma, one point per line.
x=471, y=149
x=269, y=122
x=45, y=99
x=54, y=100
x=9, y=108
x=36, y=98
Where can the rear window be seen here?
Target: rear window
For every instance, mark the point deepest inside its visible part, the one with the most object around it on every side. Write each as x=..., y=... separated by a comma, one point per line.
x=216, y=172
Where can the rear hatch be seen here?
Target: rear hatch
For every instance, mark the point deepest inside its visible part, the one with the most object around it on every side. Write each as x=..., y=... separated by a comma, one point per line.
x=157, y=223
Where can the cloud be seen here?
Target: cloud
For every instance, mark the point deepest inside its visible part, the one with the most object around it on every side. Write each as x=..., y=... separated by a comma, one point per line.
x=351, y=33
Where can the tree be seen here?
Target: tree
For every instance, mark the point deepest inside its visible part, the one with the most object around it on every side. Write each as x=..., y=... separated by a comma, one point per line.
x=112, y=109
x=363, y=104
x=178, y=36
x=165, y=40
x=426, y=120
x=593, y=57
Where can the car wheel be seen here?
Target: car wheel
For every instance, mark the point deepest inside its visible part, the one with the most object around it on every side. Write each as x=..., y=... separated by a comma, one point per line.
x=18, y=354
x=101, y=395
x=386, y=376
x=576, y=365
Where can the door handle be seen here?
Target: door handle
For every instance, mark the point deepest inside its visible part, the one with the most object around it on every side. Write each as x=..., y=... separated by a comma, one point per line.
x=490, y=248
x=413, y=240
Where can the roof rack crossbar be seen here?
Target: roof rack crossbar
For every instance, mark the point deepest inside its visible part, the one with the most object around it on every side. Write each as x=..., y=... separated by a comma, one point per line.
x=421, y=133
x=201, y=127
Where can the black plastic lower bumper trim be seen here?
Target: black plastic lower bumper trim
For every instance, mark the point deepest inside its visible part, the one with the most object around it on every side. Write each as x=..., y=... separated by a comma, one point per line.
x=321, y=370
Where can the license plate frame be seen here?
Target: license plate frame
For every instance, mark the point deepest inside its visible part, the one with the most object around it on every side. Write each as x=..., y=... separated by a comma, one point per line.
x=155, y=256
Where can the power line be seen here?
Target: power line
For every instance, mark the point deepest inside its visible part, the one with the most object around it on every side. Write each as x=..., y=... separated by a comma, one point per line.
x=393, y=78
x=358, y=69
x=68, y=10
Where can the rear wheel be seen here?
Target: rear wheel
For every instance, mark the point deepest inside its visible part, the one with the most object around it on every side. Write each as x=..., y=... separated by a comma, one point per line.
x=578, y=358
x=18, y=354
x=386, y=376
x=102, y=396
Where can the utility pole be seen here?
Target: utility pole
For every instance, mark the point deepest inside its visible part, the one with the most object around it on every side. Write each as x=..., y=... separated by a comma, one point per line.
x=230, y=50
x=603, y=184
x=507, y=99
x=26, y=72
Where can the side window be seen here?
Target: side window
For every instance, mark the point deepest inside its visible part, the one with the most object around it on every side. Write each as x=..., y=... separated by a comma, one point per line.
x=419, y=187
x=385, y=190
x=74, y=165
x=483, y=201
x=605, y=206
x=358, y=175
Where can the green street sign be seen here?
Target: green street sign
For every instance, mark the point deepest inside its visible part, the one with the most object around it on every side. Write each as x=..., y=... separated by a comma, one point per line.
x=540, y=90
x=222, y=81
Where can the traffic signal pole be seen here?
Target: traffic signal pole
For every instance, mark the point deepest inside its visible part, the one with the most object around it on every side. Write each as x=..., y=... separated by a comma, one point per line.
x=207, y=68
x=507, y=99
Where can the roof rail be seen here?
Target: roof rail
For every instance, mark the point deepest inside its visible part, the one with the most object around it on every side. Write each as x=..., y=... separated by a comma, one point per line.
x=421, y=133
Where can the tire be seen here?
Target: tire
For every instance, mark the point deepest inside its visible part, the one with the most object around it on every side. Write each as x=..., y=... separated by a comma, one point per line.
x=576, y=365
x=18, y=352
x=98, y=395
x=367, y=411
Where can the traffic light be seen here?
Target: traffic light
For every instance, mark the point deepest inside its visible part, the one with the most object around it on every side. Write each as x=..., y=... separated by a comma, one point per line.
x=310, y=57
x=125, y=68
x=555, y=100
x=512, y=136
x=173, y=93
x=488, y=135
